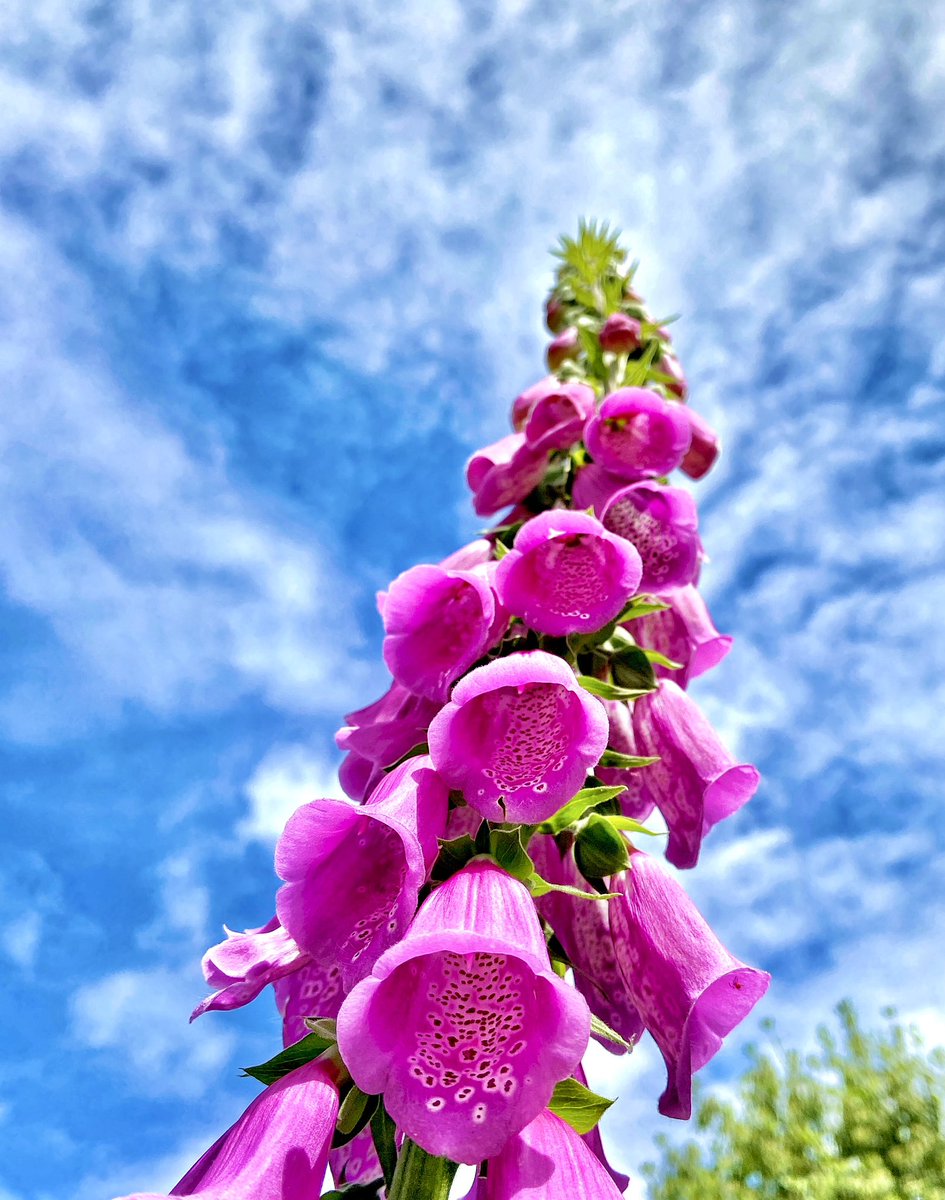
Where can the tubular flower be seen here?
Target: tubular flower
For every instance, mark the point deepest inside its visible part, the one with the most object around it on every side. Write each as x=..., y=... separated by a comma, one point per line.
x=636, y=433
x=244, y=963
x=661, y=522
x=546, y=1161
x=690, y=992
x=438, y=622
x=314, y=990
x=518, y=737
x=684, y=632
x=277, y=1150
x=558, y=414
x=504, y=473
x=356, y=1161
x=704, y=448
x=567, y=574
x=462, y=1025
x=353, y=874
x=379, y=735
x=636, y=801
x=696, y=782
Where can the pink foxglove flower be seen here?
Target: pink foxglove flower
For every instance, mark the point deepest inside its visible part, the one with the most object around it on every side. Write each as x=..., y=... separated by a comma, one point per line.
x=504, y=473
x=565, y=347
x=557, y=414
x=684, y=632
x=636, y=801
x=463, y=1025
x=697, y=782
x=663, y=525
x=277, y=1150
x=704, y=448
x=438, y=623
x=518, y=737
x=567, y=574
x=636, y=433
x=546, y=1161
x=379, y=735
x=315, y=990
x=355, y=1162
x=620, y=334
x=353, y=874
x=242, y=965
x=689, y=990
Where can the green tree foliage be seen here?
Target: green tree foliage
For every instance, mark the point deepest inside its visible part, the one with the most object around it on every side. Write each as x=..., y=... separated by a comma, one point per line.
x=862, y=1119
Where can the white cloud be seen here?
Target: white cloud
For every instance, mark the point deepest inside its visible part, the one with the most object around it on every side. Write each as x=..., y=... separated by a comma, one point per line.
x=288, y=776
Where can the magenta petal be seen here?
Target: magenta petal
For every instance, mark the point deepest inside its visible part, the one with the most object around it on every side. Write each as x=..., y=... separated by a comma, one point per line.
x=583, y=929
x=547, y=1160
x=315, y=990
x=689, y=990
x=242, y=965
x=504, y=473
x=696, y=783
x=661, y=522
x=567, y=574
x=438, y=623
x=593, y=487
x=277, y=1150
x=557, y=417
x=684, y=632
x=523, y=404
x=474, y=554
x=462, y=1025
x=417, y=798
x=380, y=734
x=518, y=737
x=637, y=433
x=637, y=801
x=704, y=448
x=356, y=1161
x=352, y=878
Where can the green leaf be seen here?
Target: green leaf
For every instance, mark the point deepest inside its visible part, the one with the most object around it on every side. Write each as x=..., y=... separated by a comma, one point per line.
x=600, y=849
x=383, y=1131
x=625, y=762
x=507, y=849
x=576, y=808
x=602, y=1030
x=611, y=691
x=287, y=1060
x=631, y=826
x=641, y=606
x=655, y=657
x=630, y=668
x=578, y=1105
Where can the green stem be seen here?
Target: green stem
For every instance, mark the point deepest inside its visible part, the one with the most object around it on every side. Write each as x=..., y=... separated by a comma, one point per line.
x=420, y=1176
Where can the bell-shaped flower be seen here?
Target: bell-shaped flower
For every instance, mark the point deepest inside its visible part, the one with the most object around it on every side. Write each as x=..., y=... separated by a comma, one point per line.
x=353, y=874
x=315, y=990
x=546, y=1161
x=524, y=402
x=636, y=433
x=685, y=633
x=463, y=1025
x=567, y=574
x=583, y=929
x=690, y=992
x=696, y=782
x=556, y=415
x=662, y=523
x=593, y=487
x=277, y=1150
x=379, y=735
x=518, y=737
x=473, y=554
x=504, y=473
x=239, y=967
x=636, y=801
x=438, y=623
x=704, y=448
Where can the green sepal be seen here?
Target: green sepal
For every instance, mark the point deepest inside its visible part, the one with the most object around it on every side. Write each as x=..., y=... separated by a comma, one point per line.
x=541, y=887
x=384, y=1131
x=507, y=849
x=625, y=762
x=586, y=799
x=500, y=550
x=631, y=668
x=290, y=1058
x=578, y=1105
x=453, y=856
x=600, y=849
x=611, y=691
x=656, y=657
x=602, y=1030
x=630, y=825
x=355, y=1112
x=641, y=606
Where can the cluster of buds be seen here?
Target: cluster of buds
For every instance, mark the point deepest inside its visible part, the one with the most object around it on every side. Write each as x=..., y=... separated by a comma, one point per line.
x=449, y=938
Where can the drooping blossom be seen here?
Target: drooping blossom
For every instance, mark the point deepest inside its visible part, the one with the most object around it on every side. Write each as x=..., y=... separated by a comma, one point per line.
x=504, y=473
x=438, y=623
x=621, y=334
x=565, y=347
x=463, y=1025
x=547, y=1160
x=637, y=801
x=593, y=487
x=555, y=314
x=352, y=875
x=552, y=414
x=239, y=967
x=567, y=574
x=696, y=782
x=636, y=433
x=518, y=737
x=277, y=1150
x=315, y=990
x=474, y=554
x=684, y=632
x=356, y=1162
x=670, y=365
x=379, y=735
x=690, y=991
x=663, y=525
x=583, y=929
x=704, y=448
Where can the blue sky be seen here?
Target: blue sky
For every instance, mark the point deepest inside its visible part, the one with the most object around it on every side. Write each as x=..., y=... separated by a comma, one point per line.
x=268, y=274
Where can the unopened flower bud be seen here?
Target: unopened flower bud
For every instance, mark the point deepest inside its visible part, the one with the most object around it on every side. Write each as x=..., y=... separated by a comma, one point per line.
x=669, y=365
x=565, y=346
x=704, y=448
x=620, y=334
x=555, y=316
